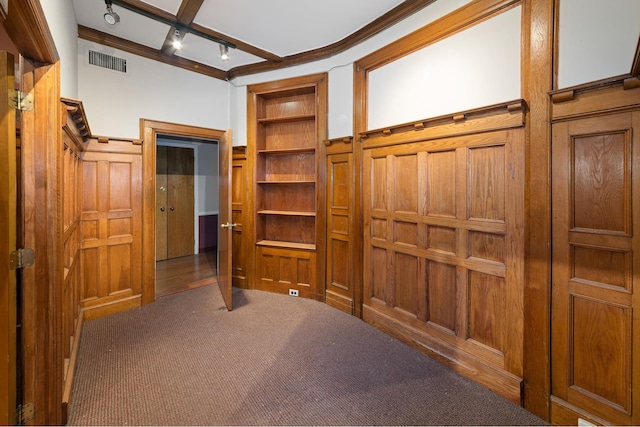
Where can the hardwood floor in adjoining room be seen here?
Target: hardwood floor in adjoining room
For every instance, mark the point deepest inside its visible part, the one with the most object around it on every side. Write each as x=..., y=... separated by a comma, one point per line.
x=184, y=273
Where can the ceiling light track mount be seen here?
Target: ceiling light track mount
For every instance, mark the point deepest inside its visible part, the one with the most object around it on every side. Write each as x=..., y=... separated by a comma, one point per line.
x=172, y=23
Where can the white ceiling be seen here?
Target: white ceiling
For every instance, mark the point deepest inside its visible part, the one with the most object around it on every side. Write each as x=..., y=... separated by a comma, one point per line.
x=279, y=27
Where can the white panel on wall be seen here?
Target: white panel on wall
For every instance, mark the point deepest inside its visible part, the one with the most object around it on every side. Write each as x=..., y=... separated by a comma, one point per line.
x=341, y=101
x=115, y=102
x=476, y=67
x=596, y=39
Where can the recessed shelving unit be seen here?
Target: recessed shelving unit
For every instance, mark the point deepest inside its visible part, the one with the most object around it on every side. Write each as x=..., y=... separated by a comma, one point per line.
x=287, y=122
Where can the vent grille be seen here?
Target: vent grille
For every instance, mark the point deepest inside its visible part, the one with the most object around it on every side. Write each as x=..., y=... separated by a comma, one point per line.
x=103, y=60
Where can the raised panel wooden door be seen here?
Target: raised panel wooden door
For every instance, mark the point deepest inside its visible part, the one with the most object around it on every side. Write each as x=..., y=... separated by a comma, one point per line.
x=225, y=250
x=596, y=218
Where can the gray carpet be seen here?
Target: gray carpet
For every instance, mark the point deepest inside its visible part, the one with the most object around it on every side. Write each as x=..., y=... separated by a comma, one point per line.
x=273, y=360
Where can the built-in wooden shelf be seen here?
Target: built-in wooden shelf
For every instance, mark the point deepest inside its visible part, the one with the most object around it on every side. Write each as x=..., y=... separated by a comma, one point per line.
x=287, y=119
x=285, y=213
x=287, y=245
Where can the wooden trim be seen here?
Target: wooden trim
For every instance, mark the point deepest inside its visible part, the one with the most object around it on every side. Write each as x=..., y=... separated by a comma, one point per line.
x=502, y=116
x=486, y=374
x=466, y=16
x=27, y=27
x=538, y=79
x=390, y=18
x=77, y=114
x=71, y=368
x=149, y=129
x=604, y=96
x=105, y=39
x=635, y=68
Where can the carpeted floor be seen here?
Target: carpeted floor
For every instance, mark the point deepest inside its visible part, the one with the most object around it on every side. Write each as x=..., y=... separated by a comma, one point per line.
x=273, y=360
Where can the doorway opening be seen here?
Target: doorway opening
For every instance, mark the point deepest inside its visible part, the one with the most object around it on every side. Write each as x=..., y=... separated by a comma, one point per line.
x=186, y=213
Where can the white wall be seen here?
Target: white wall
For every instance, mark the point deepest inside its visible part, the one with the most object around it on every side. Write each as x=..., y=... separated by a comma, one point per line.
x=476, y=67
x=115, y=102
x=62, y=23
x=597, y=39
x=340, y=69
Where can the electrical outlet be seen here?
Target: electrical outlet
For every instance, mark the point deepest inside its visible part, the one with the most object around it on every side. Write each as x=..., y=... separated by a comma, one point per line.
x=293, y=292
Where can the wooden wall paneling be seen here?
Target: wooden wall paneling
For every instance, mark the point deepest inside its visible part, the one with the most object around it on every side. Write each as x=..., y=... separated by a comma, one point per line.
x=73, y=126
x=111, y=226
x=443, y=234
x=595, y=247
x=339, y=287
x=239, y=196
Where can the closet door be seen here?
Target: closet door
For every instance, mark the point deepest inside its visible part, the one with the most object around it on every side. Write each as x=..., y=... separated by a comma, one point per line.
x=174, y=202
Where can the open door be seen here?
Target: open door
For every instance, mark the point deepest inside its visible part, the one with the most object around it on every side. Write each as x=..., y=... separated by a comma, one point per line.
x=224, y=216
x=8, y=228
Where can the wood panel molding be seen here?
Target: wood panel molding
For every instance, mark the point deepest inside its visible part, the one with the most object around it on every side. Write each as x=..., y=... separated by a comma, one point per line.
x=76, y=115
x=27, y=27
x=494, y=117
x=539, y=18
x=610, y=95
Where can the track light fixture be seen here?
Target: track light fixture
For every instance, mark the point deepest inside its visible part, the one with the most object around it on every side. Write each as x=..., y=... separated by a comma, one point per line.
x=224, y=52
x=177, y=43
x=110, y=17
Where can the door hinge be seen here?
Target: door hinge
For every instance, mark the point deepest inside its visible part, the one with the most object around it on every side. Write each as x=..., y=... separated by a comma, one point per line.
x=21, y=258
x=20, y=101
x=24, y=413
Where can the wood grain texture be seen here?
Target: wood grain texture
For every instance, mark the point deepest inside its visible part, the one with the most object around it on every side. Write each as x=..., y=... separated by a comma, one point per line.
x=8, y=227
x=594, y=245
x=239, y=203
x=436, y=257
x=287, y=124
x=43, y=218
x=111, y=229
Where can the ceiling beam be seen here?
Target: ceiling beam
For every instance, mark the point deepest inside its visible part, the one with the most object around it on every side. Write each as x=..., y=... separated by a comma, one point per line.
x=137, y=49
x=186, y=14
x=184, y=22
x=390, y=18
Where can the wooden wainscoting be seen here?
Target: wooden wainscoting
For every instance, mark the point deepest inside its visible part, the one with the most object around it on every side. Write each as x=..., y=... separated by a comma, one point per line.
x=339, y=287
x=75, y=130
x=444, y=241
x=595, y=362
x=111, y=224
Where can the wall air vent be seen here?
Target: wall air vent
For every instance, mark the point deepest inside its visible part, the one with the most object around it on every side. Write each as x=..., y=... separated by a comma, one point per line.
x=109, y=62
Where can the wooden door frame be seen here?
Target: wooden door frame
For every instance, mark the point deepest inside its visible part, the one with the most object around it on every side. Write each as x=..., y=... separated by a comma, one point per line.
x=43, y=359
x=149, y=130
